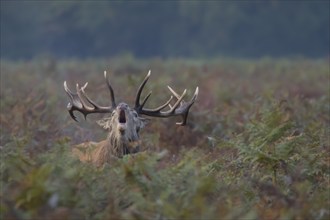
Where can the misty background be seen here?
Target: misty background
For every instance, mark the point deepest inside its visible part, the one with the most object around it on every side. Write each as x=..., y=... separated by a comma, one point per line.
x=164, y=29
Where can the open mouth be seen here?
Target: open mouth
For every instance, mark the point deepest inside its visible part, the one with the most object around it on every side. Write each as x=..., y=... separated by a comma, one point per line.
x=122, y=117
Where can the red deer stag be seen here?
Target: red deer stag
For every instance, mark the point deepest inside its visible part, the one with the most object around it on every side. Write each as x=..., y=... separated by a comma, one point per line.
x=124, y=123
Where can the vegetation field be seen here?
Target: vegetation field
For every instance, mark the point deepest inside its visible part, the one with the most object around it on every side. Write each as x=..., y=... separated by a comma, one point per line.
x=256, y=145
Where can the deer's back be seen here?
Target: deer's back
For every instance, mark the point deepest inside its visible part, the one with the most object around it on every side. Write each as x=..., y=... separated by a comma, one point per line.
x=93, y=152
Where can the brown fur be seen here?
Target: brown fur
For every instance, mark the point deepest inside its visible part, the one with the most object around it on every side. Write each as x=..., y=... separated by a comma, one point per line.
x=123, y=138
x=101, y=152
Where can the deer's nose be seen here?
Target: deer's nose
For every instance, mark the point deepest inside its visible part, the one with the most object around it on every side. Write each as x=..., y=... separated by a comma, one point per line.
x=122, y=106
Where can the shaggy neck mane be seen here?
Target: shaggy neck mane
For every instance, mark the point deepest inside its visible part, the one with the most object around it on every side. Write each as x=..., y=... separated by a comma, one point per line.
x=113, y=146
x=118, y=144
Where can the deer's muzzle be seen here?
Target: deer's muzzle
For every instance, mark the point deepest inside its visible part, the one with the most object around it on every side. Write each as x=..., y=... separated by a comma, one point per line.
x=122, y=116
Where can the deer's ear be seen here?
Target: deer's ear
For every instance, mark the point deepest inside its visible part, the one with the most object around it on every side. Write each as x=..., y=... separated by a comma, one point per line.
x=144, y=121
x=104, y=123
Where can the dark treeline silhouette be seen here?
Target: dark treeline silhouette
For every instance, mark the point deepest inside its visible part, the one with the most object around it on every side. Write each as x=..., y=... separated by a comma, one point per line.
x=164, y=28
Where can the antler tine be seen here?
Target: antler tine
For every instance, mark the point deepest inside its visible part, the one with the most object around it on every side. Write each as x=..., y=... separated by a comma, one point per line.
x=113, y=102
x=180, y=108
x=195, y=94
x=164, y=105
x=68, y=91
x=187, y=107
x=77, y=102
x=84, y=94
x=138, y=106
x=84, y=105
x=145, y=100
x=173, y=92
x=178, y=101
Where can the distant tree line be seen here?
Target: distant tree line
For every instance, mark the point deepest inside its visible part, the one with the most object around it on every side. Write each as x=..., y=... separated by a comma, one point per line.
x=164, y=28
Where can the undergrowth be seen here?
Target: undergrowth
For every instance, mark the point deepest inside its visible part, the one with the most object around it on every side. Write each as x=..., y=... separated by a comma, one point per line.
x=256, y=145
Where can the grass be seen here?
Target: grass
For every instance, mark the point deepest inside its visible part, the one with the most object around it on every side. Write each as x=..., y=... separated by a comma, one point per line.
x=256, y=145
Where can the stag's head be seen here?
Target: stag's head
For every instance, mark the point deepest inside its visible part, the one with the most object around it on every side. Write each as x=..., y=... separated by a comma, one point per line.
x=125, y=122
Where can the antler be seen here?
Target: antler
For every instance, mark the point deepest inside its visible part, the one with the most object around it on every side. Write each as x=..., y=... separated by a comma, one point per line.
x=78, y=103
x=179, y=108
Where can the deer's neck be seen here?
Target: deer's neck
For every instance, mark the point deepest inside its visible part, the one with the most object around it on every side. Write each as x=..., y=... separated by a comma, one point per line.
x=104, y=151
x=120, y=145
x=117, y=145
